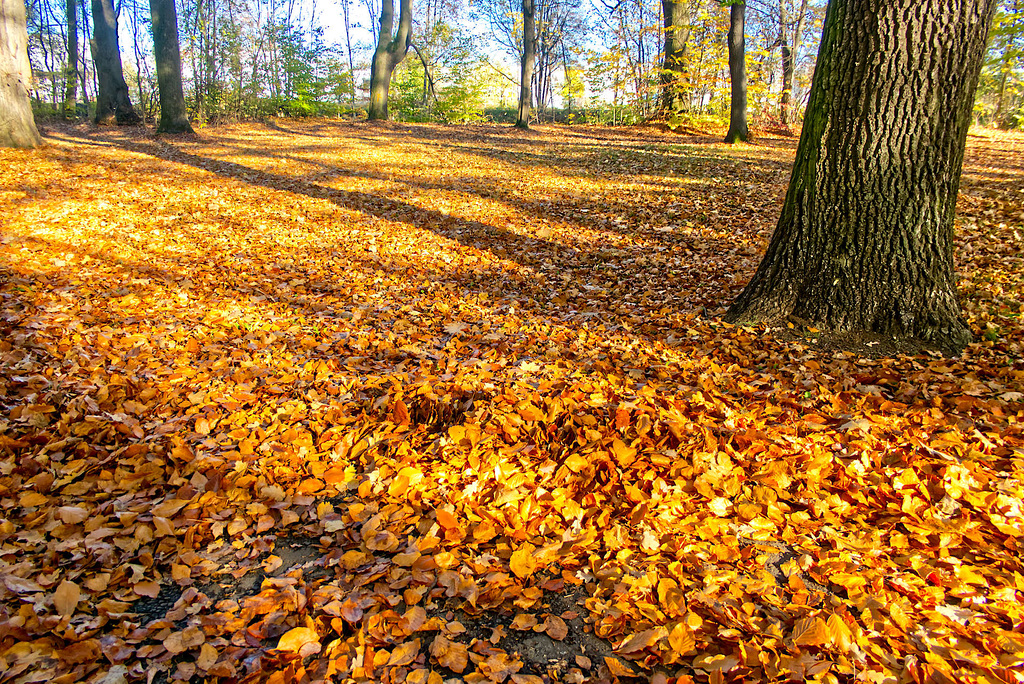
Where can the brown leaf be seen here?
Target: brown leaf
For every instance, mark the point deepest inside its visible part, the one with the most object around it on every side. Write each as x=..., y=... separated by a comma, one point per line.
x=555, y=627
x=65, y=598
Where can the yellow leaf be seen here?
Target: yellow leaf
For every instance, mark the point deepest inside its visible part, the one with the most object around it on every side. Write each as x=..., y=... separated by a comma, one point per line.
x=681, y=639
x=521, y=562
x=810, y=632
x=576, y=463
x=838, y=632
x=65, y=598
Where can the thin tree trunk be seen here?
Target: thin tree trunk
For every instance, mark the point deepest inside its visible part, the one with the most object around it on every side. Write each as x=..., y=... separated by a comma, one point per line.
x=674, y=76
x=389, y=54
x=529, y=57
x=173, y=115
x=737, y=74
x=348, y=44
x=71, y=70
x=17, y=127
x=865, y=239
x=82, y=61
x=789, y=56
x=112, y=101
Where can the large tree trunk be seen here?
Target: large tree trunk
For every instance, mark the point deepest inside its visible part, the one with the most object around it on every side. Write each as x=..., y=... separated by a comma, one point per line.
x=737, y=73
x=529, y=57
x=173, y=116
x=112, y=101
x=71, y=70
x=389, y=53
x=674, y=76
x=865, y=240
x=17, y=128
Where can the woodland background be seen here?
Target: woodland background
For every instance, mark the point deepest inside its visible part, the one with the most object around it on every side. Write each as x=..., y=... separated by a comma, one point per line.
x=599, y=61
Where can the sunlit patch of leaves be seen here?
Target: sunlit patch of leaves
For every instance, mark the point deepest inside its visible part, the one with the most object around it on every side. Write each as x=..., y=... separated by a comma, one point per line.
x=391, y=403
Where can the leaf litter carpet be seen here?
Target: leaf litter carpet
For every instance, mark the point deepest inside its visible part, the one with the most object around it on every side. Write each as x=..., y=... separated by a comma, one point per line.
x=338, y=402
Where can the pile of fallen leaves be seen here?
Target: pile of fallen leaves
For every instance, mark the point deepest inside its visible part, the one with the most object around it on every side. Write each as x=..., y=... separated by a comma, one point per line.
x=341, y=402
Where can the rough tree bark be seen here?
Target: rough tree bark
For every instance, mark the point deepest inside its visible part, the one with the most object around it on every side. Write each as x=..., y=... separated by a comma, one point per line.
x=529, y=57
x=17, y=128
x=112, y=101
x=173, y=115
x=71, y=70
x=865, y=239
x=389, y=53
x=737, y=73
x=674, y=76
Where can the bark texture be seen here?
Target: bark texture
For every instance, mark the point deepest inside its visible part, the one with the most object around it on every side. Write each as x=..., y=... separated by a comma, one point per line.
x=529, y=59
x=173, y=115
x=674, y=76
x=71, y=70
x=17, y=128
x=389, y=53
x=865, y=240
x=112, y=101
x=738, y=73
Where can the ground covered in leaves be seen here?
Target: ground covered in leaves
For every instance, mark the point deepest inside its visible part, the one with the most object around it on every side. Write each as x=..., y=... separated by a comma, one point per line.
x=351, y=402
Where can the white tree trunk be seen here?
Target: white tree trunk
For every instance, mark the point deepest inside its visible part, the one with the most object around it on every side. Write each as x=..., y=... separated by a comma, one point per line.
x=17, y=128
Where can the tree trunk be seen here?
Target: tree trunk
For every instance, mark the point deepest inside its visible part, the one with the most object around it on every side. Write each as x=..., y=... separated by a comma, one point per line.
x=674, y=76
x=865, y=240
x=348, y=44
x=789, y=55
x=173, y=116
x=389, y=54
x=529, y=57
x=71, y=70
x=112, y=101
x=17, y=127
x=737, y=73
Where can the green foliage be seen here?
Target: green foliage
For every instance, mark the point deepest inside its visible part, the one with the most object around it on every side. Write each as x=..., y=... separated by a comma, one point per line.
x=1000, y=98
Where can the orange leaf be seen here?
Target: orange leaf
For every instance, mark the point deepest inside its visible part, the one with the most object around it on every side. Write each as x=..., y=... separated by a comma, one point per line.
x=617, y=668
x=405, y=654
x=299, y=639
x=524, y=621
x=450, y=654
x=446, y=519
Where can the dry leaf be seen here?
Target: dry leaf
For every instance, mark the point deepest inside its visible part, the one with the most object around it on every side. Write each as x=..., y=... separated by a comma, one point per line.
x=66, y=597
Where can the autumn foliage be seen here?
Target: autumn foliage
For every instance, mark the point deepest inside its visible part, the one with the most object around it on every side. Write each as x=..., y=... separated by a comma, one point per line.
x=341, y=402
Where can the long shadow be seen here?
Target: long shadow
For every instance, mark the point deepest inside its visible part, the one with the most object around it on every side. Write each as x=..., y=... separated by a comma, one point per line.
x=584, y=211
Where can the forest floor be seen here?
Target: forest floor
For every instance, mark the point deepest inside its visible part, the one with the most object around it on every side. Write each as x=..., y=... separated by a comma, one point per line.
x=308, y=401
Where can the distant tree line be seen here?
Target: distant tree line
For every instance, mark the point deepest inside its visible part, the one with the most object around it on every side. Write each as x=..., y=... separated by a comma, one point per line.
x=609, y=61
